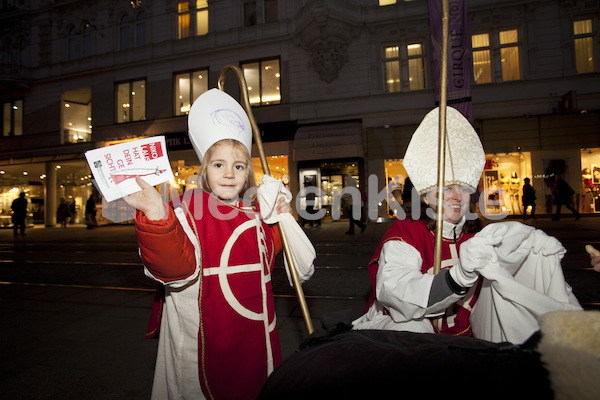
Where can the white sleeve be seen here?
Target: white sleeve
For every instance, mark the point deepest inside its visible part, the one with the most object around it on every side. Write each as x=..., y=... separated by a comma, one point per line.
x=401, y=286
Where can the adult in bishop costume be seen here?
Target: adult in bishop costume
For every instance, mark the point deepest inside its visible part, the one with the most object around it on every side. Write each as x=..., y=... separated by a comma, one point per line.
x=497, y=321
x=494, y=284
x=406, y=295
x=214, y=255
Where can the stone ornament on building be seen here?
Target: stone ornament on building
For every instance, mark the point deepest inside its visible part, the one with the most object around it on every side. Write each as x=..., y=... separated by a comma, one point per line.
x=324, y=30
x=327, y=59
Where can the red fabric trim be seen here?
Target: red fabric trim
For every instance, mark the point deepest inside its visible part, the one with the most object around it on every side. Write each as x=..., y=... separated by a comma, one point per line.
x=165, y=248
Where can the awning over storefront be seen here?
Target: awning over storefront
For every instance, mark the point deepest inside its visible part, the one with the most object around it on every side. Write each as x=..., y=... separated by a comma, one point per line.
x=344, y=140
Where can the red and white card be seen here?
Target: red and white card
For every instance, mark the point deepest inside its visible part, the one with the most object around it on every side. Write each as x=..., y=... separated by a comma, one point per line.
x=115, y=167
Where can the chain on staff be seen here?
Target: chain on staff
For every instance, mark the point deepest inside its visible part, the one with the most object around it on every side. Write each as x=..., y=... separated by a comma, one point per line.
x=263, y=160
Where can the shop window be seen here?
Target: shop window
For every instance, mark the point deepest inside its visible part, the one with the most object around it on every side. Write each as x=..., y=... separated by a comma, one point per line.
x=502, y=184
x=590, y=181
x=12, y=118
x=185, y=177
x=131, y=101
x=397, y=187
x=482, y=49
x=584, y=46
x=263, y=80
x=397, y=58
x=192, y=16
x=77, y=116
x=188, y=86
x=278, y=167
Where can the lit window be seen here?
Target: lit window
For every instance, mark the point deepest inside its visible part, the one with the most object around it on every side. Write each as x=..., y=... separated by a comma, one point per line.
x=201, y=17
x=131, y=101
x=192, y=18
x=188, y=86
x=263, y=79
x=183, y=18
x=404, y=58
x=416, y=68
x=12, y=118
x=77, y=116
x=386, y=2
x=485, y=46
x=584, y=46
x=482, y=72
x=509, y=53
x=392, y=69
x=278, y=167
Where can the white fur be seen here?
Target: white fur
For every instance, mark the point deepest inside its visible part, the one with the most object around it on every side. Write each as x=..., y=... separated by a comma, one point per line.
x=570, y=351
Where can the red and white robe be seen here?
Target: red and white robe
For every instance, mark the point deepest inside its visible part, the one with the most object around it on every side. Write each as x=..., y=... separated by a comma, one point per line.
x=402, y=274
x=218, y=332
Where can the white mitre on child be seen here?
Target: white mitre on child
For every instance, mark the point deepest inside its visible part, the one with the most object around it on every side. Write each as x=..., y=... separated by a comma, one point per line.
x=465, y=157
x=215, y=116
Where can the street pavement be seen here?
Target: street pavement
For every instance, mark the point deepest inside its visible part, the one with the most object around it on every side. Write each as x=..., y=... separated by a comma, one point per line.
x=86, y=341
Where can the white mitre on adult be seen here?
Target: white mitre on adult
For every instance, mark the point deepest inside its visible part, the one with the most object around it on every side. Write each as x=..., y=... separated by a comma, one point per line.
x=215, y=116
x=465, y=157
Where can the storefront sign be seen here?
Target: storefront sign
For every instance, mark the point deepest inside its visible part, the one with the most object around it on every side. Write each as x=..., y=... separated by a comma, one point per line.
x=115, y=167
x=178, y=141
x=329, y=141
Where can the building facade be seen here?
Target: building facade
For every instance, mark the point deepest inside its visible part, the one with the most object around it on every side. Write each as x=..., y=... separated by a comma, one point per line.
x=337, y=89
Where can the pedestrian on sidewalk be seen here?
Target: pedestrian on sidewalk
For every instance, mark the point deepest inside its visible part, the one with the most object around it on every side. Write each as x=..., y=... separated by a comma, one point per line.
x=90, y=212
x=563, y=195
x=528, y=198
x=214, y=255
x=312, y=206
x=63, y=214
x=19, y=209
x=350, y=182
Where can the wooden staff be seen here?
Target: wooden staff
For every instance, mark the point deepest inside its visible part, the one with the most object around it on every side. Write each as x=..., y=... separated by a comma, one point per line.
x=437, y=256
x=263, y=160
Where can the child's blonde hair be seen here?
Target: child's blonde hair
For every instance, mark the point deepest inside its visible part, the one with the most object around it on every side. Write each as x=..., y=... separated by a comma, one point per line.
x=237, y=146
